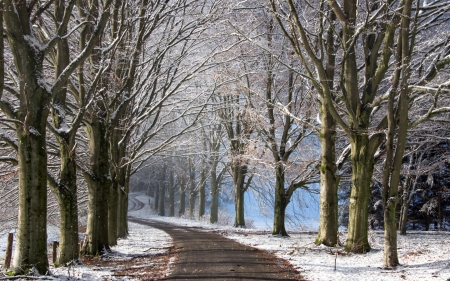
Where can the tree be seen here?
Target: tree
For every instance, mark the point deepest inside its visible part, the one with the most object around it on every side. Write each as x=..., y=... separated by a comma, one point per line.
x=35, y=92
x=370, y=30
x=215, y=178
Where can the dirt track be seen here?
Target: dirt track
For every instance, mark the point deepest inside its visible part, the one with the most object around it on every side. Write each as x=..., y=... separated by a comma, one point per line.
x=204, y=255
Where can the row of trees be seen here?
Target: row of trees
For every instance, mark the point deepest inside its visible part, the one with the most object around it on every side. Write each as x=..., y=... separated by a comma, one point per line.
x=112, y=68
x=286, y=92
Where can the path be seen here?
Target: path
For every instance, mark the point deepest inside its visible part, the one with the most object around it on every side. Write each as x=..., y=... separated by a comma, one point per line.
x=205, y=255
x=208, y=256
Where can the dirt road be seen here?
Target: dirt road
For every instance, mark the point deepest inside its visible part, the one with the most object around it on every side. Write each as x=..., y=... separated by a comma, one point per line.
x=205, y=255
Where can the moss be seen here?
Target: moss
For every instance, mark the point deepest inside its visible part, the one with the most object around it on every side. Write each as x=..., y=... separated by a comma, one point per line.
x=323, y=168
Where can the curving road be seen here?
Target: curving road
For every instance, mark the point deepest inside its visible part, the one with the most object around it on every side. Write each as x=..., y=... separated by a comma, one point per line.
x=133, y=203
x=204, y=255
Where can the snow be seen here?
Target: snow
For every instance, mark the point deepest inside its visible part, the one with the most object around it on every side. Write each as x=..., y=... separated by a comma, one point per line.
x=142, y=240
x=423, y=255
x=34, y=43
x=7, y=137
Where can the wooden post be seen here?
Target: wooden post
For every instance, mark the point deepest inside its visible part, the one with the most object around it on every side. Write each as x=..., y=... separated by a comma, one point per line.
x=55, y=251
x=9, y=251
x=81, y=248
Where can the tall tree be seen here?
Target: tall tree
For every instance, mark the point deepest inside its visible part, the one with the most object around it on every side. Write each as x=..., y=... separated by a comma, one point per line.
x=35, y=92
x=237, y=124
x=358, y=89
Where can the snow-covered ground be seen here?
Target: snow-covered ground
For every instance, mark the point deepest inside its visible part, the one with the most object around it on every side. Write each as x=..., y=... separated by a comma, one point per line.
x=143, y=242
x=424, y=255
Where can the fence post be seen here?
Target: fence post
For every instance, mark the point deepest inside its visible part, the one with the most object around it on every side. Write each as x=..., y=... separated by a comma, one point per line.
x=9, y=251
x=55, y=250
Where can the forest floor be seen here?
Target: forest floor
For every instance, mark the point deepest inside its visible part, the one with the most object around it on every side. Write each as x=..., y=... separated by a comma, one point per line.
x=148, y=253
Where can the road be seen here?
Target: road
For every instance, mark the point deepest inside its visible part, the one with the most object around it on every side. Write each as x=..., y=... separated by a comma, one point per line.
x=203, y=255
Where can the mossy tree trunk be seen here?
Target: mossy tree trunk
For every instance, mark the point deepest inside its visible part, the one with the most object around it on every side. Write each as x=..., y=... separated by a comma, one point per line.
x=281, y=202
x=396, y=137
x=182, y=207
x=214, y=209
x=31, y=237
x=122, y=225
x=156, y=197
x=99, y=185
x=65, y=189
x=127, y=60
x=283, y=140
x=215, y=180
x=201, y=190
x=239, y=130
x=31, y=116
x=362, y=168
x=171, y=194
x=240, y=186
x=192, y=189
x=162, y=192
x=328, y=222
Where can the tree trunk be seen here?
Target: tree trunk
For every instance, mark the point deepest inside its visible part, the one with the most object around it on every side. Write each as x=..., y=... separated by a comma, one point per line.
x=156, y=198
x=214, y=180
x=214, y=211
x=122, y=228
x=68, y=234
x=162, y=196
x=397, y=124
x=96, y=238
x=113, y=204
x=201, y=192
x=239, y=173
x=171, y=195
x=116, y=211
x=281, y=202
x=362, y=169
x=182, y=197
x=328, y=225
x=31, y=238
x=31, y=246
x=390, y=235
x=192, y=189
x=403, y=217
x=239, y=220
x=66, y=189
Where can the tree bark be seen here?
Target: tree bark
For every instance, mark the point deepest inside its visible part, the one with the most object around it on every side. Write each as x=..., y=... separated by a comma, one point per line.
x=122, y=228
x=239, y=173
x=192, y=189
x=156, y=197
x=182, y=208
x=281, y=202
x=362, y=169
x=214, y=211
x=162, y=192
x=214, y=179
x=31, y=238
x=171, y=194
x=328, y=224
x=99, y=185
x=201, y=192
x=397, y=125
x=113, y=204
